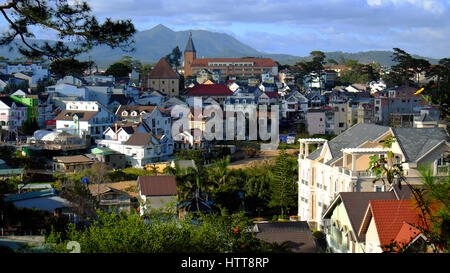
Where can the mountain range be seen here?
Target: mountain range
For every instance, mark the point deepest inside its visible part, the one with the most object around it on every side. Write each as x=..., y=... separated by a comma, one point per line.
x=150, y=45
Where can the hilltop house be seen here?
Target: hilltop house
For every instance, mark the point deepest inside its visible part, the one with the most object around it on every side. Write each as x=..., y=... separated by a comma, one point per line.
x=340, y=165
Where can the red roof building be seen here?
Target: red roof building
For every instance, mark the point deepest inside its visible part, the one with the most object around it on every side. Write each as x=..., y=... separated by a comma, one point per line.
x=386, y=219
x=227, y=66
x=218, y=92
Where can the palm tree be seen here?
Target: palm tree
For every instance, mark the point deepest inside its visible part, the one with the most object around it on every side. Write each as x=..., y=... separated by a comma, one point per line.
x=221, y=170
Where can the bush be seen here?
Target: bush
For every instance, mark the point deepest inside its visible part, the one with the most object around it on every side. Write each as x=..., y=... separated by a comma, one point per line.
x=318, y=235
x=275, y=218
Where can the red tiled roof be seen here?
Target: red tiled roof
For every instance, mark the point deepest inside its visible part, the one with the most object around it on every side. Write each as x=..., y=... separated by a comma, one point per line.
x=157, y=185
x=272, y=94
x=256, y=61
x=389, y=216
x=406, y=234
x=162, y=70
x=209, y=90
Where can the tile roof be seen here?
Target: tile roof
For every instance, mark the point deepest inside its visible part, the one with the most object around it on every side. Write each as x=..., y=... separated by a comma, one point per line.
x=139, y=139
x=352, y=138
x=355, y=204
x=406, y=234
x=272, y=95
x=416, y=142
x=389, y=216
x=297, y=234
x=157, y=185
x=82, y=115
x=97, y=189
x=131, y=108
x=162, y=70
x=73, y=159
x=209, y=90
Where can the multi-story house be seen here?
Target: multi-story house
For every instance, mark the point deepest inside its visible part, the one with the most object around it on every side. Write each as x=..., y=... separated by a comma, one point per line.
x=140, y=148
x=340, y=165
x=340, y=117
x=396, y=106
x=85, y=118
x=241, y=99
x=293, y=104
x=12, y=113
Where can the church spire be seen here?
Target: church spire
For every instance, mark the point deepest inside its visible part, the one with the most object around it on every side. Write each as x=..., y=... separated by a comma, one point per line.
x=190, y=44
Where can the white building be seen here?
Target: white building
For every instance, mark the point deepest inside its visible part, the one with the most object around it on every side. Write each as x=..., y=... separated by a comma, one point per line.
x=12, y=114
x=85, y=117
x=139, y=148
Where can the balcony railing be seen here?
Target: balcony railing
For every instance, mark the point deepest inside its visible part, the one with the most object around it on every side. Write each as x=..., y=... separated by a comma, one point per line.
x=114, y=202
x=443, y=170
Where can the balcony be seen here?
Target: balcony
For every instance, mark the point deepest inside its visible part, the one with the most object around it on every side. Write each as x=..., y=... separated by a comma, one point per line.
x=443, y=170
x=114, y=202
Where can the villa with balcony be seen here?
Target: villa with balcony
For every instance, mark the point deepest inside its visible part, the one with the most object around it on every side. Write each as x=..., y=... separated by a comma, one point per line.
x=340, y=165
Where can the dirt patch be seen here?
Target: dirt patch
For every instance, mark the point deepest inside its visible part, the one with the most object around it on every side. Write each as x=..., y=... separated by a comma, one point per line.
x=263, y=158
x=125, y=186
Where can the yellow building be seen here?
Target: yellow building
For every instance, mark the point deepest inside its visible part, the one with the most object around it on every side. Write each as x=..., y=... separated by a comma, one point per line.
x=340, y=165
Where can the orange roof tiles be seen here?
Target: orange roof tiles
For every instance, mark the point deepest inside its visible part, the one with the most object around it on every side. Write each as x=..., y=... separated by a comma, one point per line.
x=406, y=234
x=389, y=216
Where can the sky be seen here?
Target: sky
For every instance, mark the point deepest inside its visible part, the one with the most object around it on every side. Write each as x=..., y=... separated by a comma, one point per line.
x=298, y=27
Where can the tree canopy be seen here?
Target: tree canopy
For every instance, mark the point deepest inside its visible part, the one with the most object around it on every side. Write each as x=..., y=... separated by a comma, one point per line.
x=69, y=66
x=71, y=21
x=118, y=70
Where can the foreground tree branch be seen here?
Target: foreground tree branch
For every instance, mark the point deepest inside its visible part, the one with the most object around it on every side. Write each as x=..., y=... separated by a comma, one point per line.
x=71, y=22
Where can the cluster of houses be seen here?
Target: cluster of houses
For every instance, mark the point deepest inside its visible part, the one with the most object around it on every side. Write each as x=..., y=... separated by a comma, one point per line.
x=94, y=118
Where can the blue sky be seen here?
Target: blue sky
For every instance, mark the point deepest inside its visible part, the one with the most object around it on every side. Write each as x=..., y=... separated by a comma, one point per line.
x=298, y=27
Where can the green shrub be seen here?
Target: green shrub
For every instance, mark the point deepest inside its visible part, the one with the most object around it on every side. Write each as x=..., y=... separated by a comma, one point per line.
x=275, y=218
x=318, y=234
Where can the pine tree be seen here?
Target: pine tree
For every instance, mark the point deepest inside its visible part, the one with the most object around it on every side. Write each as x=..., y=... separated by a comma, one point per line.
x=283, y=187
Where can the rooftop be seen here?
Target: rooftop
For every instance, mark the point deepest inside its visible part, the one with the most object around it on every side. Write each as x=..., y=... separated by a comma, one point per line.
x=157, y=185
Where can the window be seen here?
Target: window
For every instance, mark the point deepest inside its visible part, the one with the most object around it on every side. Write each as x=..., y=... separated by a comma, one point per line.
x=341, y=124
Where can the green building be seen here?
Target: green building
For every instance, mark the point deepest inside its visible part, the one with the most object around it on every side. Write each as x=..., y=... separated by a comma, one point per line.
x=32, y=103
